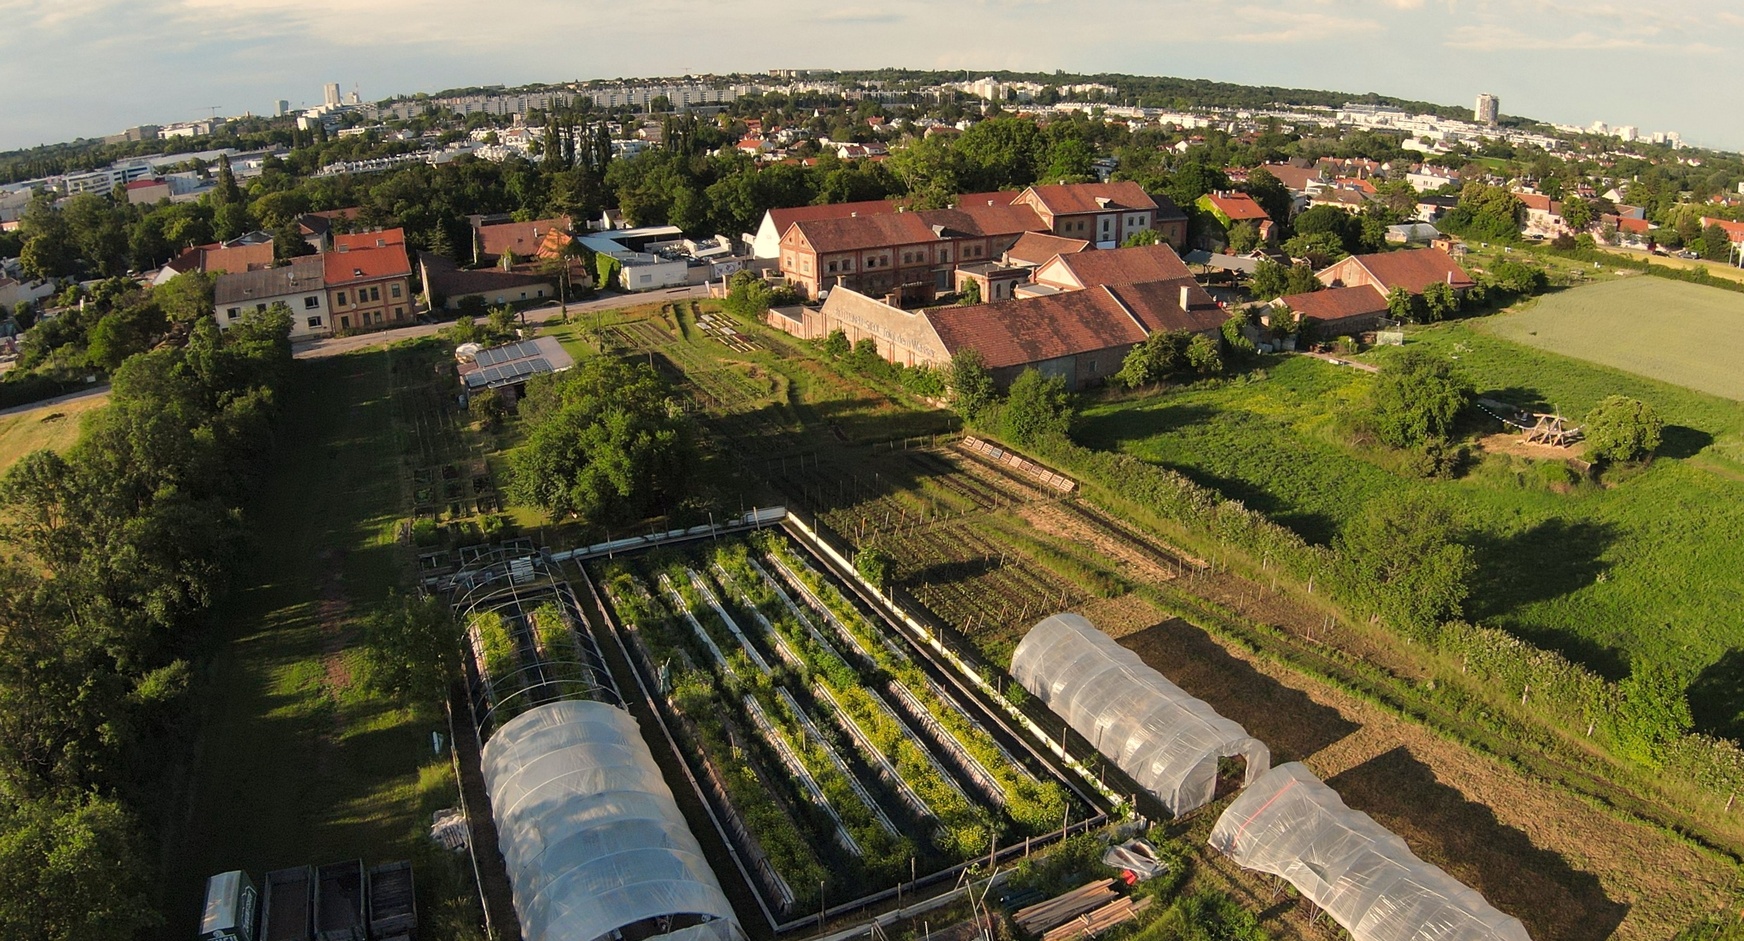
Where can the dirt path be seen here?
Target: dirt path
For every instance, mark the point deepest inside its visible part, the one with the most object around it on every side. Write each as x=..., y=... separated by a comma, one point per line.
x=1565, y=866
x=1569, y=870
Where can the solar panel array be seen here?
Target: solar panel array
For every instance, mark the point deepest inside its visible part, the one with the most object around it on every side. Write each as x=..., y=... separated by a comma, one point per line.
x=507, y=373
x=498, y=355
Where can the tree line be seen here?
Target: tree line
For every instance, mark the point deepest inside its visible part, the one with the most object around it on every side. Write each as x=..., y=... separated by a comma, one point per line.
x=117, y=552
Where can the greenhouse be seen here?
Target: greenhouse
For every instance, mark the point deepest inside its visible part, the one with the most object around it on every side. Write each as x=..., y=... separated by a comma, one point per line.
x=1290, y=824
x=594, y=843
x=1168, y=741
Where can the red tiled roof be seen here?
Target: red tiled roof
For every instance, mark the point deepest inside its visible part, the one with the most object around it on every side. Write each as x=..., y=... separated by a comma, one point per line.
x=1064, y=199
x=1537, y=201
x=782, y=218
x=1237, y=207
x=1626, y=224
x=142, y=184
x=1018, y=332
x=983, y=219
x=1157, y=304
x=855, y=233
x=522, y=238
x=365, y=264
x=1414, y=269
x=217, y=257
x=1734, y=230
x=1293, y=177
x=1335, y=304
x=1001, y=198
x=355, y=240
x=1037, y=247
x=1127, y=265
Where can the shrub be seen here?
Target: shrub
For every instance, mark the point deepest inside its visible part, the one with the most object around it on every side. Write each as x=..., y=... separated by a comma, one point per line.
x=1416, y=399
x=1621, y=429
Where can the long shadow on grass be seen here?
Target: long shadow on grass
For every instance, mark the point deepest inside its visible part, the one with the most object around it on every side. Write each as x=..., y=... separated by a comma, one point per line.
x=1553, y=558
x=1681, y=441
x=1716, y=697
x=1556, y=901
x=1108, y=430
x=1290, y=723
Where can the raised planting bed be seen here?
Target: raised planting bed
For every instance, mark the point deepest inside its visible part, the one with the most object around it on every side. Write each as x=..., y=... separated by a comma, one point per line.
x=1034, y=805
x=828, y=759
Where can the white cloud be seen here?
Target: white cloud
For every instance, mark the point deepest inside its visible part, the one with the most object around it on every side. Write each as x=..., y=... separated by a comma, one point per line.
x=94, y=66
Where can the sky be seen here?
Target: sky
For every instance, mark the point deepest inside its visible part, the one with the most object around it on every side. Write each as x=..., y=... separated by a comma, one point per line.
x=84, y=68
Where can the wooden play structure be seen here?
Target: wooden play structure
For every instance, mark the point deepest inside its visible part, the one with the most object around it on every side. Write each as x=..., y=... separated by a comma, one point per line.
x=1549, y=428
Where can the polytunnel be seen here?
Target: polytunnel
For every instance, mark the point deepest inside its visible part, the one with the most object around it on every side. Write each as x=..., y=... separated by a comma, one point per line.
x=1168, y=741
x=594, y=843
x=1290, y=824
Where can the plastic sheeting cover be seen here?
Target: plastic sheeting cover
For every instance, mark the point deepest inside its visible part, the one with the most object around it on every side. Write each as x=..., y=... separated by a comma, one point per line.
x=1290, y=824
x=591, y=835
x=1167, y=740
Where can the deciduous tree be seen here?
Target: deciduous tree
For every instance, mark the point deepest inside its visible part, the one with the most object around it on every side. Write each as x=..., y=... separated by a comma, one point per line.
x=1416, y=399
x=1622, y=429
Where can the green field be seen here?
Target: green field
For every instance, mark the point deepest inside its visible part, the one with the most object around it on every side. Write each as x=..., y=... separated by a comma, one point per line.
x=299, y=763
x=1646, y=566
x=1653, y=327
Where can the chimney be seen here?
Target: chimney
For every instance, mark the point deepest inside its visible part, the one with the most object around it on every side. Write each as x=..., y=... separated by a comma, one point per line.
x=1186, y=297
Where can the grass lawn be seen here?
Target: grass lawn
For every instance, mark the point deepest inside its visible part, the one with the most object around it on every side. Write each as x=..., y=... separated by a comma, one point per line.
x=298, y=763
x=1653, y=327
x=55, y=427
x=1646, y=566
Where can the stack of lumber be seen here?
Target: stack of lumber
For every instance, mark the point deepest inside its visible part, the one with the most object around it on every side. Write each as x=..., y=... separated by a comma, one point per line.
x=1042, y=916
x=1117, y=912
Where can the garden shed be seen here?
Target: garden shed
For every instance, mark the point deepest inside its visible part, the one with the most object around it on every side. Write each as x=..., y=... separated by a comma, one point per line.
x=1290, y=824
x=594, y=843
x=1168, y=741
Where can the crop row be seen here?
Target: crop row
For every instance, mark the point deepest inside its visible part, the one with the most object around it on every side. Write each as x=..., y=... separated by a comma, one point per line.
x=696, y=697
x=1035, y=805
x=737, y=670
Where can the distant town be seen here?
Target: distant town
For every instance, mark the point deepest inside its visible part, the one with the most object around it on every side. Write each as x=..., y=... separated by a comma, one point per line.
x=871, y=506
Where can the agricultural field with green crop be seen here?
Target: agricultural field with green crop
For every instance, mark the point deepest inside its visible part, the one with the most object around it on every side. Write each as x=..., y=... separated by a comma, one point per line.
x=1641, y=564
x=1652, y=327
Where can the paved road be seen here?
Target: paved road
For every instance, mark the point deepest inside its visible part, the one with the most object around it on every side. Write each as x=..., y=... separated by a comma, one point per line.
x=337, y=346
x=101, y=388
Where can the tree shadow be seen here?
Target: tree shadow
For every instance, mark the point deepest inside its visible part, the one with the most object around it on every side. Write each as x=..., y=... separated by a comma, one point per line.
x=1555, y=901
x=1547, y=560
x=1716, y=697
x=1105, y=431
x=1291, y=724
x=1682, y=441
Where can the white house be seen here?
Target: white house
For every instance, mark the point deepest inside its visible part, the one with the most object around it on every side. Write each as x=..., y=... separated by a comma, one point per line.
x=300, y=285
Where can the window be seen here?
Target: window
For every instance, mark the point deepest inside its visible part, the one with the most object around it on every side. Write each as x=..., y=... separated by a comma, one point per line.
x=232, y=312
x=339, y=299
x=871, y=262
x=805, y=266
x=394, y=290
x=345, y=323
x=523, y=295
x=647, y=279
x=314, y=323
x=399, y=313
x=311, y=302
x=375, y=294
x=834, y=266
